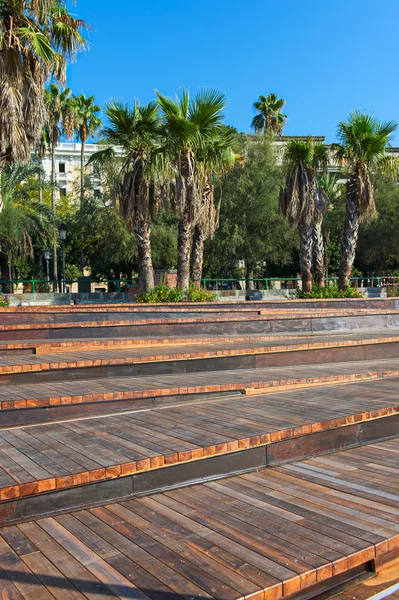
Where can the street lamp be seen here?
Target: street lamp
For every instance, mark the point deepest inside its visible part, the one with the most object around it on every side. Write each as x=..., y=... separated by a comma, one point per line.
x=47, y=258
x=63, y=232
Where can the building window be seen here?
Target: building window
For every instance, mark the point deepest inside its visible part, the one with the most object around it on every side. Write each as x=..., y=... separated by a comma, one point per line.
x=63, y=191
x=61, y=167
x=97, y=194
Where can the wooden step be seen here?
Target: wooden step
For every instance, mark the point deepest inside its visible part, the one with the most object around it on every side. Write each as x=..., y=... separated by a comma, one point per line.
x=385, y=582
x=308, y=322
x=79, y=462
x=282, y=303
x=9, y=348
x=48, y=401
x=288, y=532
x=193, y=358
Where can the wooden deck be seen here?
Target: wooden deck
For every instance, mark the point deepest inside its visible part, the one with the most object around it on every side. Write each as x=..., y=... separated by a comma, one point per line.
x=186, y=324
x=65, y=455
x=101, y=410
x=262, y=535
x=121, y=354
x=88, y=394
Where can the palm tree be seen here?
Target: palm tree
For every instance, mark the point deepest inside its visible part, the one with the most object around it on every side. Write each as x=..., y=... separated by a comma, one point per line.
x=189, y=125
x=332, y=190
x=22, y=216
x=301, y=199
x=41, y=150
x=215, y=160
x=136, y=130
x=37, y=37
x=87, y=122
x=362, y=148
x=269, y=118
x=60, y=120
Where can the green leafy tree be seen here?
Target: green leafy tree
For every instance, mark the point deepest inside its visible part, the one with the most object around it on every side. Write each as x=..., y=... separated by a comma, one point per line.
x=251, y=230
x=190, y=124
x=302, y=201
x=362, y=148
x=23, y=216
x=269, y=117
x=164, y=240
x=378, y=245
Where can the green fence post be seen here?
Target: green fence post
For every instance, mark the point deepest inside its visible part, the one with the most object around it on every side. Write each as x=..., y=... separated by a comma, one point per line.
x=33, y=286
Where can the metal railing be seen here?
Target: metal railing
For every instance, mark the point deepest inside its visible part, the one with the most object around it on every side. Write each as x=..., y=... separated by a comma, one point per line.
x=269, y=283
x=217, y=284
x=34, y=286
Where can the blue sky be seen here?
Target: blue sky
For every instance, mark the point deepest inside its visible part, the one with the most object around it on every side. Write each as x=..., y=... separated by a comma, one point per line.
x=324, y=57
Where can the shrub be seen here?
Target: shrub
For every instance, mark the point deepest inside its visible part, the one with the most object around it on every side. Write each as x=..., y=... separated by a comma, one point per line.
x=331, y=291
x=161, y=293
x=4, y=301
x=392, y=291
x=195, y=294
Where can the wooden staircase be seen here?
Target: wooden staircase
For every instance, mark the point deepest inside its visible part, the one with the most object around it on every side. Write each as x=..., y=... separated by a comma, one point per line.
x=151, y=452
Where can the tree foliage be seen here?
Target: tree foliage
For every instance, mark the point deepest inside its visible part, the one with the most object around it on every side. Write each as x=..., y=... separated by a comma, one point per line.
x=251, y=230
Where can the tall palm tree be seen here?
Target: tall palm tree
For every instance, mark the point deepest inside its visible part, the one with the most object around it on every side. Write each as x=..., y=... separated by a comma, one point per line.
x=362, y=148
x=41, y=150
x=189, y=124
x=269, y=118
x=87, y=122
x=136, y=130
x=60, y=120
x=37, y=38
x=215, y=160
x=301, y=199
x=332, y=190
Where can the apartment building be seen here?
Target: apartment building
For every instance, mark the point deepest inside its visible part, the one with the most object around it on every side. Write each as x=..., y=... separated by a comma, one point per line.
x=67, y=158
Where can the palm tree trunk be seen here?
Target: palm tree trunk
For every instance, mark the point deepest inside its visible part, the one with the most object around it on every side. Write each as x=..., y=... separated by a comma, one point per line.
x=53, y=200
x=197, y=255
x=40, y=181
x=318, y=256
x=82, y=172
x=142, y=232
x=350, y=234
x=183, y=255
x=82, y=196
x=305, y=255
x=249, y=276
x=1, y=194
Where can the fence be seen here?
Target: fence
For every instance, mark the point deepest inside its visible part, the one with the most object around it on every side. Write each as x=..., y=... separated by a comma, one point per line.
x=270, y=283
x=33, y=286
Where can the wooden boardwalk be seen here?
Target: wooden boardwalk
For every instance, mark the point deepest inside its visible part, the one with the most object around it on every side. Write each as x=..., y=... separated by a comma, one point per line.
x=62, y=455
x=101, y=355
x=69, y=392
x=173, y=452
x=262, y=535
x=171, y=324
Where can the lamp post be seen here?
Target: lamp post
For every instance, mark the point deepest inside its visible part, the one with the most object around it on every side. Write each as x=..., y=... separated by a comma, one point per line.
x=63, y=232
x=47, y=258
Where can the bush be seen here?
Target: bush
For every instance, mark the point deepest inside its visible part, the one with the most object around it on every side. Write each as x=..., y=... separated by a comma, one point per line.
x=392, y=291
x=195, y=294
x=161, y=293
x=4, y=301
x=331, y=291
